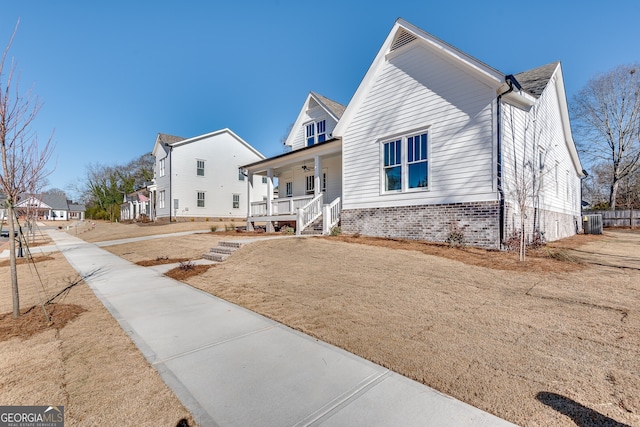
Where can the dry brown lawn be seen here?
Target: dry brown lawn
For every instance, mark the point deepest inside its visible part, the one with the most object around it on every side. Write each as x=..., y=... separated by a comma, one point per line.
x=553, y=341
x=82, y=360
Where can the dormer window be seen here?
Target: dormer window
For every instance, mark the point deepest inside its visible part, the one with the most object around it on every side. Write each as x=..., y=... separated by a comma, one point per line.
x=316, y=132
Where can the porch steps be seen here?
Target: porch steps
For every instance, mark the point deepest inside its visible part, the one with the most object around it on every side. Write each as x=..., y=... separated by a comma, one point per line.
x=314, y=229
x=223, y=251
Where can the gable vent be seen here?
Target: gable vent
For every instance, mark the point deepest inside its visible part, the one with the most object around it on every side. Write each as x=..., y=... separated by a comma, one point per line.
x=402, y=38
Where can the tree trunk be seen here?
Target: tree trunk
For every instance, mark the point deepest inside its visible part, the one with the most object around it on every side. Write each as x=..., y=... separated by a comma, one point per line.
x=522, y=240
x=613, y=194
x=12, y=262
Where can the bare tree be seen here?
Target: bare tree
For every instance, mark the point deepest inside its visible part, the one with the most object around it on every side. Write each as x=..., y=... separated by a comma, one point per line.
x=607, y=117
x=527, y=158
x=23, y=160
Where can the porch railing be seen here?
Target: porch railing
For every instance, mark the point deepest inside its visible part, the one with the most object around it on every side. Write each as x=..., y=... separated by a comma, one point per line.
x=331, y=215
x=280, y=206
x=309, y=213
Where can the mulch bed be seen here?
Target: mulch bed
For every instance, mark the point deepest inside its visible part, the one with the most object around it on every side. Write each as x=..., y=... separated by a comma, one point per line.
x=33, y=320
x=549, y=258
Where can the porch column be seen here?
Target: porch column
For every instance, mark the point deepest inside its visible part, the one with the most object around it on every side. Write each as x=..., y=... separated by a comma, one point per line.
x=249, y=188
x=269, y=225
x=317, y=176
x=269, y=191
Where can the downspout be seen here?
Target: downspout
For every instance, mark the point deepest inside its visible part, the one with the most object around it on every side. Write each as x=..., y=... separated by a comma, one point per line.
x=170, y=176
x=509, y=80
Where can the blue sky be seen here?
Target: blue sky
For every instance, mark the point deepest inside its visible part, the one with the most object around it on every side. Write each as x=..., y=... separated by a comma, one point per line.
x=111, y=75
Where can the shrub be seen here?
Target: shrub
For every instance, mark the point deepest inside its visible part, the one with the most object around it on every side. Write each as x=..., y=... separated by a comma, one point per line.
x=336, y=231
x=455, y=237
x=288, y=230
x=214, y=228
x=186, y=266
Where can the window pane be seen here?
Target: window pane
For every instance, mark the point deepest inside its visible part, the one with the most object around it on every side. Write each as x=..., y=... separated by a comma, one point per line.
x=423, y=146
x=418, y=175
x=393, y=178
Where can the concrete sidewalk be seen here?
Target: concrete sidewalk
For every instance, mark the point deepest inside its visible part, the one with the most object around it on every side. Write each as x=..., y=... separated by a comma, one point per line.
x=233, y=367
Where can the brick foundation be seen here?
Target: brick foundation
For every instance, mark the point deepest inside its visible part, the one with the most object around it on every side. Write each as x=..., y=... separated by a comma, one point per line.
x=553, y=225
x=479, y=222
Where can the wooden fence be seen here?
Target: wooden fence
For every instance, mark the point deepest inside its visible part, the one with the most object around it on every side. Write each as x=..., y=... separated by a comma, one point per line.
x=619, y=218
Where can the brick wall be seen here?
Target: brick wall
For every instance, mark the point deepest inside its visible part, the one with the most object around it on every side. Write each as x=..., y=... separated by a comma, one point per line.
x=553, y=225
x=479, y=222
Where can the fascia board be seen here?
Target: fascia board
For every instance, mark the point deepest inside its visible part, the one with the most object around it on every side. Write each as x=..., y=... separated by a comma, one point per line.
x=483, y=72
x=566, y=122
x=299, y=121
x=215, y=133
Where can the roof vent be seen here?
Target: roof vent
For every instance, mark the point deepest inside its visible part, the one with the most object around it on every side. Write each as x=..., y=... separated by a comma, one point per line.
x=402, y=38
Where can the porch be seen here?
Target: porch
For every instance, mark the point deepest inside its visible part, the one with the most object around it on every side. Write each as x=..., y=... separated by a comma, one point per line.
x=303, y=189
x=304, y=211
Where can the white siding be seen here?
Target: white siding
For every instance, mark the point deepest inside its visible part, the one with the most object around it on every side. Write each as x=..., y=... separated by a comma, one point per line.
x=524, y=136
x=414, y=90
x=223, y=155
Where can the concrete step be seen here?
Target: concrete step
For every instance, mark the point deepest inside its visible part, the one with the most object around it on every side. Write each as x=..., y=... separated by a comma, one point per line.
x=212, y=256
x=226, y=250
x=230, y=244
x=222, y=251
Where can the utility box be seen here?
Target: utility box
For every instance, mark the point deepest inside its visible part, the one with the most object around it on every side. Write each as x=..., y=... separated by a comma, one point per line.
x=592, y=224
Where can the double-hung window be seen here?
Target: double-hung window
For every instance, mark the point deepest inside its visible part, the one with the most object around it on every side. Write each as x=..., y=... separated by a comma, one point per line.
x=240, y=174
x=393, y=165
x=236, y=201
x=200, y=199
x=288, y=186
x=161, y=195
x=311, y=134
x=200, y=167
x=161, y=167
x=316, y=132
x=405, y=163
x=311, y=180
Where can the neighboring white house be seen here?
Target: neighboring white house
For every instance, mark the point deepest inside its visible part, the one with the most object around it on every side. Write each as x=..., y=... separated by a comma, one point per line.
x=200, y=177
x=50, y=207
x=136, y=206
x=432, y=139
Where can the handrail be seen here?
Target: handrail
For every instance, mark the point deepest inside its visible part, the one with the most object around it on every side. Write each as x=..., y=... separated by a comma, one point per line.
x=331, y=215
x=309, y=213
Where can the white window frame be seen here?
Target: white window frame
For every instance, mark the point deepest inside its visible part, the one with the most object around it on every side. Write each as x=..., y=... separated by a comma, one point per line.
x=199, y=167
x=161, y=199
x=405, y=162
x=310, y=184
x=315, y=132
x=288, y=189
x=240, y=174
x=236, y=201
x=265, y=180
x=161, y=167
x=200, y=201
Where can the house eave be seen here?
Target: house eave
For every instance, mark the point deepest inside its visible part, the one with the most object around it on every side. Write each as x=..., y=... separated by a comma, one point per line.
x=333, y=146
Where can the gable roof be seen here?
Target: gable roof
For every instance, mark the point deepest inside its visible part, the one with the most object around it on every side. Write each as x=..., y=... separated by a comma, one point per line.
x=334, y=108
x=169, y=139
x=215, y=133
x=404, y=34
x=536, y=80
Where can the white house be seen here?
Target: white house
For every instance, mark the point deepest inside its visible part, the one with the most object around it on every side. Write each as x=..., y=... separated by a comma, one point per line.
x=51, y=207
x=200, y=177
x=136, y=206
x=433, y=139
